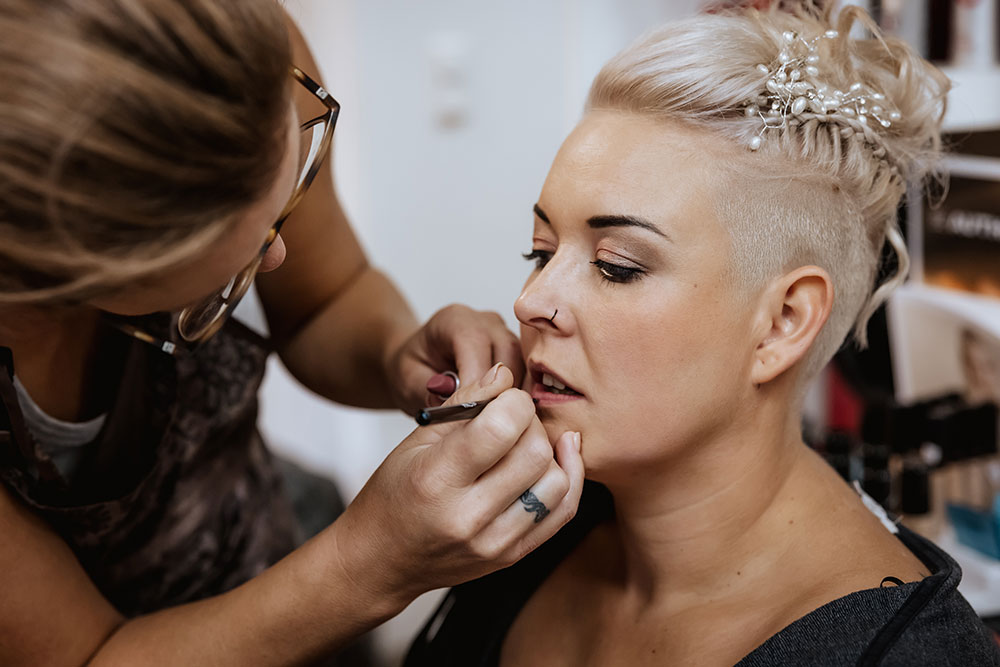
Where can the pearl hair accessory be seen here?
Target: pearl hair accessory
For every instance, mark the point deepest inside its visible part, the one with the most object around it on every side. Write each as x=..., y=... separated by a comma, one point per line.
x=794, y=95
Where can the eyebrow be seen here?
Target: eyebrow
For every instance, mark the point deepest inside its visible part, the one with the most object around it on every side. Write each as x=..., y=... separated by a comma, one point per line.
x=602, y=221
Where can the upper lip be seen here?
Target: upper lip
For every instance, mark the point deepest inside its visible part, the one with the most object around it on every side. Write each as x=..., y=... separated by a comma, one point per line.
x=537, y=369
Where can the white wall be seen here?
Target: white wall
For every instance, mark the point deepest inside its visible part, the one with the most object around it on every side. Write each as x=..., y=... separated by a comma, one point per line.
x=442, y=204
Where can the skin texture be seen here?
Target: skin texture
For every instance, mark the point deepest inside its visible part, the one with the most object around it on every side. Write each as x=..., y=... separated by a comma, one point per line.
x=443, y=507
x=727, y=527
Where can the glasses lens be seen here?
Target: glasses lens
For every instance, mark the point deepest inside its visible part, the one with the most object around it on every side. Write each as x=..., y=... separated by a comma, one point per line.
x=311, y=141
x=202, y=319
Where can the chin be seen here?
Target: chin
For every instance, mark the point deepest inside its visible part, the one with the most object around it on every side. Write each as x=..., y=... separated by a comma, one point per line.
x=593, y=445
x=555, y=427
x=615, y=456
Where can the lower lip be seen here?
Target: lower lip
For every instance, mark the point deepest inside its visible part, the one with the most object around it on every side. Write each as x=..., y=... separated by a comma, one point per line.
x=543, y=398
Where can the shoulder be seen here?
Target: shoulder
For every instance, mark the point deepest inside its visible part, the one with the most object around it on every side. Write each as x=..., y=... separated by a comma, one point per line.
x=935, y=625
x=945, y=630
x=924, y=622
x=843, y=543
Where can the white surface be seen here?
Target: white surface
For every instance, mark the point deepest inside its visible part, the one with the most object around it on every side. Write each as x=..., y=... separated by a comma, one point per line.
x=975, y=33
x=924, y=328
x=980, y=574
x=915, y=230
x=974, y=101
x=973, y=166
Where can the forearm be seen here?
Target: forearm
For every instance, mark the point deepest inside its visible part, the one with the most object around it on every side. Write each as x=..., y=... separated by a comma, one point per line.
x=341, y=352
x=306, y=606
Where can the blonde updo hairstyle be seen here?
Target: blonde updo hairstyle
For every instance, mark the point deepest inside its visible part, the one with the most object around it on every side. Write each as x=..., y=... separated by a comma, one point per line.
x=822, y=191
x=132, y=135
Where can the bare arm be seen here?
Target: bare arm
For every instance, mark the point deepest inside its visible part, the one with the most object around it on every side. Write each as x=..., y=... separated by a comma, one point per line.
x=304, y=607
x=52, y=614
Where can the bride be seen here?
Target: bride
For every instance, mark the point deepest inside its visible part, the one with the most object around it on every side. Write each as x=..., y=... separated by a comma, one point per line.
x=707, y=237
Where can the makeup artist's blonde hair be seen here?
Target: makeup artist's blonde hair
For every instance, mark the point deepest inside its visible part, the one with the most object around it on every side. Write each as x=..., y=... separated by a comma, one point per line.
x=132, y=133
x=823, y=193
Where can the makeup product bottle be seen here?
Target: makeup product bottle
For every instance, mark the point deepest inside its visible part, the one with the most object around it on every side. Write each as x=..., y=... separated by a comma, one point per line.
x=915, y=498
x=939, y=30
x=875, y=452
x=875, y=480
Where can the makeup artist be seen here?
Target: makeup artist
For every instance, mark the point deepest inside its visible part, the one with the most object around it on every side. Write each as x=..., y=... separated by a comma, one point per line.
x=150, y=153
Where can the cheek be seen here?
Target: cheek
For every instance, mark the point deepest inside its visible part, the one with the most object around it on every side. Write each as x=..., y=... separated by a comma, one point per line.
x=666, y=373
x=186, y=285
x=662, y=346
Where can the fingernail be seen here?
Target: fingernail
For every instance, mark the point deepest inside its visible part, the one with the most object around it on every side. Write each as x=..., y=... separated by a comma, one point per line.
x=491, y=375
x=578, y=441
x=441, y=384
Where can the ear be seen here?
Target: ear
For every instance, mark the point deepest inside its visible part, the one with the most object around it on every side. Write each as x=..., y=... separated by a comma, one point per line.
x=793, y=310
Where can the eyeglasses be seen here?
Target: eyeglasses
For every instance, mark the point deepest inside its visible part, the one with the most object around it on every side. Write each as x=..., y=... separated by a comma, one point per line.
x=199, y=322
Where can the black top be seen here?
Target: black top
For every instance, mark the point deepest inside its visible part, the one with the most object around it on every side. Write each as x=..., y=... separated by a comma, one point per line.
x=925, y=622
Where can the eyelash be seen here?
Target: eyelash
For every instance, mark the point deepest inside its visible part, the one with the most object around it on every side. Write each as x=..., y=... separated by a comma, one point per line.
x=612, y=273
x=539, y=257
x=615, y=273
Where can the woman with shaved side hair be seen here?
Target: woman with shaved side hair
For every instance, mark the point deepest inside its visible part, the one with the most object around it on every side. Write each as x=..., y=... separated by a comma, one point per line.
x=706, y=239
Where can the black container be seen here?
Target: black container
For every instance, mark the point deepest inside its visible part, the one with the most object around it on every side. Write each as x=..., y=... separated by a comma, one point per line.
x=940, y=29
x=915, y=489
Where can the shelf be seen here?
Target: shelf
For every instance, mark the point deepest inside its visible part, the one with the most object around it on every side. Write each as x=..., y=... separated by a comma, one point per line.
x=974, y=100
x=925, y=334
x=981, y=309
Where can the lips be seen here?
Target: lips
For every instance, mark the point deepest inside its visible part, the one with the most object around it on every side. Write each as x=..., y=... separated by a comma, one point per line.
x=548, y=387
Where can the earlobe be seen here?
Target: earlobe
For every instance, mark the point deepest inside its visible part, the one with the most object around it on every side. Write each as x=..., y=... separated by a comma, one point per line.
x=793, y=311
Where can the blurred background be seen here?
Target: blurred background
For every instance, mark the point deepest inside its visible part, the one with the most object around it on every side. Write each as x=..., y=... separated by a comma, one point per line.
x=452, y=113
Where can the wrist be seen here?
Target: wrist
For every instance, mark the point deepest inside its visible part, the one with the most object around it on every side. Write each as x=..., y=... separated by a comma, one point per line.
x=363, y=572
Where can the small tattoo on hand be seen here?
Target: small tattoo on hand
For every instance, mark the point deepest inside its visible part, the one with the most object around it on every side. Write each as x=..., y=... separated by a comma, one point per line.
x=533, y=504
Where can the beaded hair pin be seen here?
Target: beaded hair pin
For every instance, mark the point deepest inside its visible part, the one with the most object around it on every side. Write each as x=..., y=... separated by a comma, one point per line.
x=793, y=95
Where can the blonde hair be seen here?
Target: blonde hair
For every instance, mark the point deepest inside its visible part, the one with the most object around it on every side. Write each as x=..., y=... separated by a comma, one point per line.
x=822, y=191
x=132, y=133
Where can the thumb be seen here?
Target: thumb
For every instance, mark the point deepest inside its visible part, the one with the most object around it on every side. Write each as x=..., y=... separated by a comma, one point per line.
x=569, y=458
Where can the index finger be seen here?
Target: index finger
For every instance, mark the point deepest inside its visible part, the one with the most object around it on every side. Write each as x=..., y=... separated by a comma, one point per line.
x=473, y=356
x=480, y=443
x=495, y=381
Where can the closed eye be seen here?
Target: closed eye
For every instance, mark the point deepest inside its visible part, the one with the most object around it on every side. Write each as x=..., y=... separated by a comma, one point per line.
x=540, y=257
x=615, y=273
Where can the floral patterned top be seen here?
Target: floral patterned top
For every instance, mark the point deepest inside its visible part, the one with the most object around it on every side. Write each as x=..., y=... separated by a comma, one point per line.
x=177, y=499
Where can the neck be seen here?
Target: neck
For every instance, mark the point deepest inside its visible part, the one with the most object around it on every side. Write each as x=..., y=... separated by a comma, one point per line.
x=55, y=353
x=696, y=526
